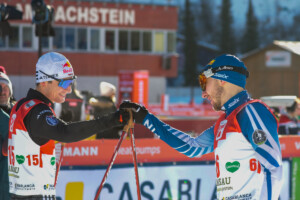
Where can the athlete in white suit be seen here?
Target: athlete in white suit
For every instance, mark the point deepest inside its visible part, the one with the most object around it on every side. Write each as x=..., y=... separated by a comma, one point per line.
x=244, y=139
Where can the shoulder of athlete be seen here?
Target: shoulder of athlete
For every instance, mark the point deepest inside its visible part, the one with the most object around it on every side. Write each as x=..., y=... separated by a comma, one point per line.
x=37, y=113
x=254, y=117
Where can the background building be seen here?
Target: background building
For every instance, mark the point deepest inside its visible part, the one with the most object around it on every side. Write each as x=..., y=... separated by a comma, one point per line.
x=274, y=69
x=99, y=39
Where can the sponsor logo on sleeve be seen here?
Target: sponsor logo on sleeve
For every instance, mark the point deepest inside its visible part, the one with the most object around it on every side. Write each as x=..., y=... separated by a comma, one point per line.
x=259, y=137
x=51, y=120
x=43, y=112
x=29, y=104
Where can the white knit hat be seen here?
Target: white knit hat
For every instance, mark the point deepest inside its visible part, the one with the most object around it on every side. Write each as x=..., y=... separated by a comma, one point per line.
x=107, y=89
x=4, y=79
x=53, y=64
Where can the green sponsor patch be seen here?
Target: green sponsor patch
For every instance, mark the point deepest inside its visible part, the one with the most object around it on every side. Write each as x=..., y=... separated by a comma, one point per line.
x=20, y=159
x=232, y=167
x=52, y=161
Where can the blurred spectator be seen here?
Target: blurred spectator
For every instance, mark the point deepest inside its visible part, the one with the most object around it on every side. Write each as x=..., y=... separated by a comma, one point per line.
x=6, y=103
x=6, y=93
x=276, y=112
x=288, y=122
x=73, y=109
x=4, y=189
x=2, y=69
x=104, y=104
x=88, y=108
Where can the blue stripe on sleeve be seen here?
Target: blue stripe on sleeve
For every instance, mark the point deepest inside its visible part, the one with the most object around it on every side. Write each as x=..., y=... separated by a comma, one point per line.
x=267, y=156
x=180, y=141
x=269, y=184
x=256, y=116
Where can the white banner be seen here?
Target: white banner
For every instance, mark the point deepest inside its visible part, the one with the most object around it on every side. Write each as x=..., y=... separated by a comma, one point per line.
x=278, y=59
x=159, y=182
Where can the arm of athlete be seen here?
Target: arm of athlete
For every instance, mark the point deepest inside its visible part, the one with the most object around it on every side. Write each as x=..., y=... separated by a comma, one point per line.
x=42, y=125
x=182, y=142
x=259, y=126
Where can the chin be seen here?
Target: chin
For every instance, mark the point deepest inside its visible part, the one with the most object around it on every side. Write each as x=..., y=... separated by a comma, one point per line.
x=60, y=100
x=216, y=107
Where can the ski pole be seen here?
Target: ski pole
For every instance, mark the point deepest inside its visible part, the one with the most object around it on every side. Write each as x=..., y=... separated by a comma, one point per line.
x=135, y=164
x=124, y=132
x=58, y=164
x=110, y=164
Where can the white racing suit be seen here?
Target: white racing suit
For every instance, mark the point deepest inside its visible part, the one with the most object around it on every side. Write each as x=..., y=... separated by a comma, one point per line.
x=245, y=142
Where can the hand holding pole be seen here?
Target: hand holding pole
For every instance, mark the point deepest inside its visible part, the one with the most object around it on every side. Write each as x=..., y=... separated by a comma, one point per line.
x=129, y=126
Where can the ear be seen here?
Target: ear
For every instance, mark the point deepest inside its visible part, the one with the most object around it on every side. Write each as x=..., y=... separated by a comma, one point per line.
x=43, y=83
x=222, y=83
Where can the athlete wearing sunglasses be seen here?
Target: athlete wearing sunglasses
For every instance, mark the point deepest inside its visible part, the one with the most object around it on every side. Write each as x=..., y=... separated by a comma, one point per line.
x=244, y=139
x=34, y=128
x=209, y=72
x=64, y=83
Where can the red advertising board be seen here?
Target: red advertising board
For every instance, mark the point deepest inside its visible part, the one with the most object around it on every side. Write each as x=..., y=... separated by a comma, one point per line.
x=105, y=14
x=133, y=86
x=99, y=152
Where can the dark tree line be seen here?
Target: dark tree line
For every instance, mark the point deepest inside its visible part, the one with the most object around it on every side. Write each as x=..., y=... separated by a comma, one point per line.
x=204, y=21
x=190, y=49
x=218, y=31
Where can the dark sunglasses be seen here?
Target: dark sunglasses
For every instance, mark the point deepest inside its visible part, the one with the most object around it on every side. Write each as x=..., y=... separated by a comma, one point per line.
x=211, y=71
x=64, y=83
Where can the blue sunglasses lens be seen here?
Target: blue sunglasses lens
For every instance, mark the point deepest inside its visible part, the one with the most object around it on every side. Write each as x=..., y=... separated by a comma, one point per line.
x=65, y=83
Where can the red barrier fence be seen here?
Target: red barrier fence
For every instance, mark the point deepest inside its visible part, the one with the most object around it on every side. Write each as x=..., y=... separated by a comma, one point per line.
x=99, y=152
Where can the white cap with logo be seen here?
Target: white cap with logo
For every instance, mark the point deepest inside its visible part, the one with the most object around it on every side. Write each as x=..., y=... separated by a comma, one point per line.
x=53, y=64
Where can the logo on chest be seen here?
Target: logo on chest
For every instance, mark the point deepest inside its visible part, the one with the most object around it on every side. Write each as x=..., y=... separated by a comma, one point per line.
x=232, y=167
x=221, y=129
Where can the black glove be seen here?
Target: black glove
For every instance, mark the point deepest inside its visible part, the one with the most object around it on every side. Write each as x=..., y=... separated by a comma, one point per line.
x=139, y=112
x=121, y=117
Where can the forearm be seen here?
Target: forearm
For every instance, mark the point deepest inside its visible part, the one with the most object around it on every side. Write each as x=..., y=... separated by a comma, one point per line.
x=182, y=142
x=68, y=132
x=80, y=130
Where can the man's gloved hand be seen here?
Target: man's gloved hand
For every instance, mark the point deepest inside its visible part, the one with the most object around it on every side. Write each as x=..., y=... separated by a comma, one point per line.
x=139, y=112
x=122, y=116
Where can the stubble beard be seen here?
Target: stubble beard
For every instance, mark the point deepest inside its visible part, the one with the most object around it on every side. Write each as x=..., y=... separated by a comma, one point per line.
x=217, y=106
